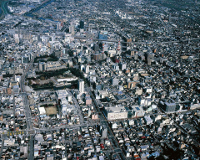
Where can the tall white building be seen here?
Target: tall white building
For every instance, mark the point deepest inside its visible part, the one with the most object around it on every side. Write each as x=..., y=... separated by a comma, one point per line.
x=16, y=38
x=72, y=28
x=87, y=69
x=81, y=86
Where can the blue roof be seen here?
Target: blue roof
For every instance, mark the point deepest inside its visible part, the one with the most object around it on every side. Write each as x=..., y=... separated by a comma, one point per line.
x=120, y=92
x=137, y=108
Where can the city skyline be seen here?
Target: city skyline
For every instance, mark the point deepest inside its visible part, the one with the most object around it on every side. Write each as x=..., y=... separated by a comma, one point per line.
x=99, y=80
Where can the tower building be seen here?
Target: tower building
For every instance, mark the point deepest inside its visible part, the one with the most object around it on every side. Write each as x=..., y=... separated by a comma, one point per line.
x=81, y=24
x=81, y=86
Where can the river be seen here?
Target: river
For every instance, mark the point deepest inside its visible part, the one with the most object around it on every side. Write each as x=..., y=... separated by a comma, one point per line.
x=29, y=13
x=3, y=8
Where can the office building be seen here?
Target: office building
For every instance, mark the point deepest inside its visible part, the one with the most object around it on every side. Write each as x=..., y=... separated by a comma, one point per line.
x=25, y=59
x=115, y=81
x=81, y=24
x=168, y=106
x=87, y=69
x=149, y=58
x=81, y=86
x=42, y=66
x=122, y=66
x=72, y=29
x=113, y=113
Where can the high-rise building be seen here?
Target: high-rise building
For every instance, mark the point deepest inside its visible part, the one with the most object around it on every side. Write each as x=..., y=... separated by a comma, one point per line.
x=96, y=47
x=16, y=38
x=149, y=58
x=104, y=132
x=97, y=57
x=122, y=66
x=71, y=28
x=81, y=24
x=58, y=26
x=87, y=69
x=115, y=81
x=168, y=106
x=42, y=66
x=25, y=59
x=81, y=86
x=118, y=52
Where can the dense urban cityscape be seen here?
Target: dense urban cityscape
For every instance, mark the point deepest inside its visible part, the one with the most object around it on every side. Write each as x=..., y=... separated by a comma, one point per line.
x=100, y=79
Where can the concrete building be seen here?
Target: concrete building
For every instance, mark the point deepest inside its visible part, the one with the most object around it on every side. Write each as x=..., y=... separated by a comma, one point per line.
x=122, y=66
x=81, y=24
x=168, y=106
x=149, y=58
x=113, y=113
x=72, y=29
x=104, y=132
x=87, y=69
x=115, y=81
x=25, y=59
x=42, y=66
x=81, y=86
x=132, y=84
x=137, y=111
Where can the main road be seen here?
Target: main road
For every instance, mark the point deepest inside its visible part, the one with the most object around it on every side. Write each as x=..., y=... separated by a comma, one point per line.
x=27, y=109
x=25, y=96
x=104, y=122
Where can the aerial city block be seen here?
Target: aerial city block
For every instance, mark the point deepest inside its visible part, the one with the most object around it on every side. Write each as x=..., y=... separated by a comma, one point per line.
x=99, y=79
